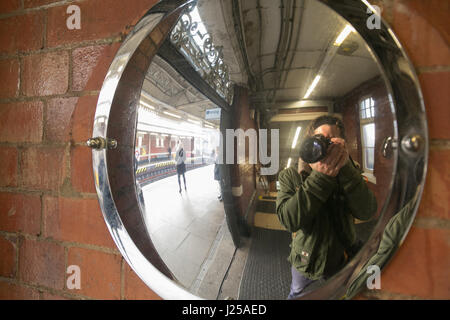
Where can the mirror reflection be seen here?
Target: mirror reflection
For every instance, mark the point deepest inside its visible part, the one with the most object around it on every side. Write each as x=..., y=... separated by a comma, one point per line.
x=176, y=150
x=299, y=70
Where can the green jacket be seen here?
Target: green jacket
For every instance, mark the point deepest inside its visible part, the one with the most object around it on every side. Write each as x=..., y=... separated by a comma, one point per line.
x=393, y=234
x=320, y=210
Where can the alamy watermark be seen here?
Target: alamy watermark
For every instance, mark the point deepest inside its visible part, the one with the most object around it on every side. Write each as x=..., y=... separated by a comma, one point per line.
x=74, y=20
x=257, y=148
x=74, y=280
x=374, y=21
x=374, y=281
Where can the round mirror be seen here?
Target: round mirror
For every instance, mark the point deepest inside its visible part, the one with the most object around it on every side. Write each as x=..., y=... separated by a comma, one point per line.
x=259, y=149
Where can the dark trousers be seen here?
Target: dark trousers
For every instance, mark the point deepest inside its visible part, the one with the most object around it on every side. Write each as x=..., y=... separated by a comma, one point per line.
x=184, y=178
x=300, y=284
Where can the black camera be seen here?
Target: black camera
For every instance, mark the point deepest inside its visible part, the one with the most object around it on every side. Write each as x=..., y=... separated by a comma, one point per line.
x=314, y=148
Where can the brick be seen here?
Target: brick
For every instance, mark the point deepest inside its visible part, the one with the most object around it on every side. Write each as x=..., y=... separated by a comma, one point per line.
x=437, y=101
x=49, y=296
x=360, y=297
x=135, y=288
x=100, y=273
x=37, y=3
x=20, y=213
x=90, y=65
x=58, y=118
x=8, y=254
x=420, y=267
x=11, y=291
x=43, y=168
x=435, y=201
x=99, y=20
x=46, y=74
x=76, y=220
x=424, y=43
x=7, y=6
x=9, y=69
x=82, y=174
x=83, y=118
x=8, y=168
x=21, y=122
x=435, y=12
x=22, y=33
x=42, y=263
x=141, y=61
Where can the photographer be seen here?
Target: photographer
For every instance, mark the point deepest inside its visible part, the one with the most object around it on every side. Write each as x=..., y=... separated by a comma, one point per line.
x=318, y=204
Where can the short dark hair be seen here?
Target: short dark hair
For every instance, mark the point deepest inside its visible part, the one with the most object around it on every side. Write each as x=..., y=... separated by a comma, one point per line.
x=312, y=126
x=326, y=119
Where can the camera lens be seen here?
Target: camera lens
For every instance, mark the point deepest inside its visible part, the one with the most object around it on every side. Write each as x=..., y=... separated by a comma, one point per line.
x=313, y=149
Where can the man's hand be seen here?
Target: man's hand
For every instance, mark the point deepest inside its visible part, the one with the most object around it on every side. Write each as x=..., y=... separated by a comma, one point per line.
x=336, y=158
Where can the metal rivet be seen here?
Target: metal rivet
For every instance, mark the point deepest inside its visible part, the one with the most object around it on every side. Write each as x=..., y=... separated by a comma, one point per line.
x=112, y=143
x=389, y=144
x=100, y=143
x=412, y=143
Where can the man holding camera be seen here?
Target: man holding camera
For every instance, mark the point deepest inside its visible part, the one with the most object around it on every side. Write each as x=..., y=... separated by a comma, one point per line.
x=318, y=204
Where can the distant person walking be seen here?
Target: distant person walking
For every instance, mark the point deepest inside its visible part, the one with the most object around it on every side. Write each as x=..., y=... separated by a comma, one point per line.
x=180, y=158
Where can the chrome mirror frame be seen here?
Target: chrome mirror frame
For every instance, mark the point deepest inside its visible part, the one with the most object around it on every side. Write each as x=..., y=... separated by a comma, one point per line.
x=114, y=136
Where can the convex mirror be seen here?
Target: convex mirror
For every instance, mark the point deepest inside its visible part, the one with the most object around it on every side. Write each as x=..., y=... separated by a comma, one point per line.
x=205, y=108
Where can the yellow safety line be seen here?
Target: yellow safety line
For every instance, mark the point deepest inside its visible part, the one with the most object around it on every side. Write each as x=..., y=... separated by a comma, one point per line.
x=267, y=221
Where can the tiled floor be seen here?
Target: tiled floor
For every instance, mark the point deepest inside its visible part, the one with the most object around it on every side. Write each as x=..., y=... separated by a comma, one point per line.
x=185, y=226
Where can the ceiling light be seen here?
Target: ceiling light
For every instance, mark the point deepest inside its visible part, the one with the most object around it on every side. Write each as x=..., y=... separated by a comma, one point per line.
x=208, y=126
x=312, y=87
x=194, y=121
x=344, y=34
x=147, y=105
x=297, y=133
x=171, y=114
x=289, y=163
x=374, y=10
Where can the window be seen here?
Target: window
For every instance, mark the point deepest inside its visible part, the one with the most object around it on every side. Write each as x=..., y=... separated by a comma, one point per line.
x=368, y=132
x=367, y=109
x=367, y=124
x=159, y=142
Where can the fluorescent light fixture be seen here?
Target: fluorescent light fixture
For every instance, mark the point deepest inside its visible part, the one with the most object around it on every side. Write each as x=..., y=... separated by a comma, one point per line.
x=370, y=6
x=171, y=114
x=344, y=34
x=194, y=121
x=208, y=126
x=312, y=87
x=297, y=133
x=147, y=105
x=289, y=163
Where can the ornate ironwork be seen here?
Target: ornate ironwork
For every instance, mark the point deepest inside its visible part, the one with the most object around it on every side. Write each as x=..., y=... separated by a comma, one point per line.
x=206, y=58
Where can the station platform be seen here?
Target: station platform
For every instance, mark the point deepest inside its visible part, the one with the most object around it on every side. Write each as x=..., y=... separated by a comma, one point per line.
x=188, y=229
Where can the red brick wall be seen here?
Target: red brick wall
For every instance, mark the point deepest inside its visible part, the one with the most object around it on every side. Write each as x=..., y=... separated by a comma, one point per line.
x=349, y=107
x=420, y=267
x=154, y=148
x=49, y=214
